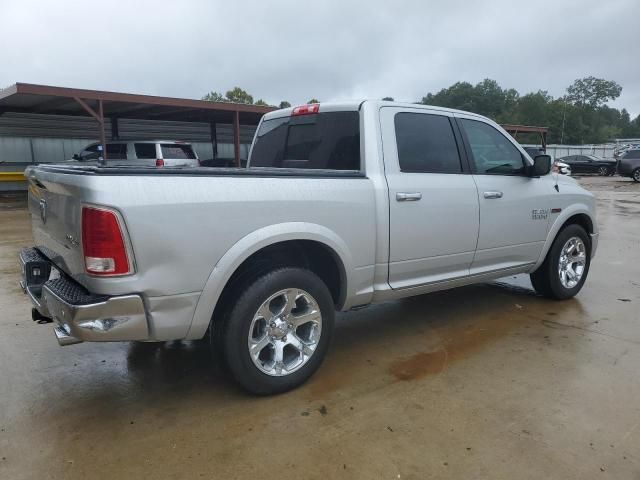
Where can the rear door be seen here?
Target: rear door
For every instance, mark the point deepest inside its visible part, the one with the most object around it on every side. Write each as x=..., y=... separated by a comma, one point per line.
x=514, y=208
x=146, y=153
x=433, y=199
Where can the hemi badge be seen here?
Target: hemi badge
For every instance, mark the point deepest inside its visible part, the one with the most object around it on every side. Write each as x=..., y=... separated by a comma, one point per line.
x=556, y=210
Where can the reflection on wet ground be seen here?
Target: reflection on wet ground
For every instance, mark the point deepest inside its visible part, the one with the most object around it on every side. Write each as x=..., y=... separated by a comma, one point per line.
x=487, y=381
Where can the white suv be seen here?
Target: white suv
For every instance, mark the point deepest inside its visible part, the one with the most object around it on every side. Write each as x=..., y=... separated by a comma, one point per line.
x=159, y=153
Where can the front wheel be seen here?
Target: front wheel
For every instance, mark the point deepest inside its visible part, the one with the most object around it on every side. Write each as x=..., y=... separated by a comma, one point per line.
x=278, y=331
x=565, y=269
x=603, y=171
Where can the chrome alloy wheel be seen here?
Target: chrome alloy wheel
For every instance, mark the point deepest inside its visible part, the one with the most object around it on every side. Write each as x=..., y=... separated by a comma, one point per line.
x=573, y=259
x=285, y=332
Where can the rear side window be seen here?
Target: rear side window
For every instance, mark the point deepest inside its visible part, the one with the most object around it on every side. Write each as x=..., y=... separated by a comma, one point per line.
x=180, y=152
x=493, y=153
x=426, y=144
x=319, y=141
x=117, y=151
x=145, y=151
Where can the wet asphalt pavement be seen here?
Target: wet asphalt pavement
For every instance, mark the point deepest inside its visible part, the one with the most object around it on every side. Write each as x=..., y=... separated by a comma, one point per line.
x=488, y=381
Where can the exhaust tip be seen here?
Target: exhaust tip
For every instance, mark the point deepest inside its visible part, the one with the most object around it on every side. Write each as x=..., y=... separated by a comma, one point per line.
x=64, y=338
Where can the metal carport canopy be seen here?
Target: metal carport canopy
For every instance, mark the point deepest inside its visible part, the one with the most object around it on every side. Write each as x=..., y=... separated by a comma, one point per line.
x=45, y=99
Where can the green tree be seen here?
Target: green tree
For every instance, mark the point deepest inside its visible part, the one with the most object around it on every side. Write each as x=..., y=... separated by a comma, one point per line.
x=261, y=103
x=581, y=116
x=284, y=104
x=313, y=100
x=214, y=97
x=238, y=95
x=592, y=92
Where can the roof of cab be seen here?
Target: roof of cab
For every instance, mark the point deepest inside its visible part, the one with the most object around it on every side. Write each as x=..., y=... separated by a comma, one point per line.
x=356, y=104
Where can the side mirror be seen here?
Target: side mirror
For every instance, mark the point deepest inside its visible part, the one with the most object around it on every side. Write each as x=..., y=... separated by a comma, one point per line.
x=541, y=166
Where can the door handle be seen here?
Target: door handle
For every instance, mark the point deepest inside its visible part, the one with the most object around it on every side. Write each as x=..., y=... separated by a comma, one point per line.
x=493, y=194
x=408, y=197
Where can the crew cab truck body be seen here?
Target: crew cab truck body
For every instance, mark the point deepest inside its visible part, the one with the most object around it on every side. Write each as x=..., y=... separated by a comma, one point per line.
x=342, y=205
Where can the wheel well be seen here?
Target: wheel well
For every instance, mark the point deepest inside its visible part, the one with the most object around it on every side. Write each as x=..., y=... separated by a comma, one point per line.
x=581, y=219
x=309, y=254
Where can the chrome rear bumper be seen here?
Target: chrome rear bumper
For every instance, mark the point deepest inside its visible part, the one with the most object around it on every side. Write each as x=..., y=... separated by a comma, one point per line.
x=79, y=314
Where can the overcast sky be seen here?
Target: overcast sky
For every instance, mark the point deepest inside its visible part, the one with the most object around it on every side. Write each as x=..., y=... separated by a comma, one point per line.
x=296, y=50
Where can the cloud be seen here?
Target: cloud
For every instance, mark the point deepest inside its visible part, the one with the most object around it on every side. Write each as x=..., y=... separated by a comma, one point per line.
x=291, y=50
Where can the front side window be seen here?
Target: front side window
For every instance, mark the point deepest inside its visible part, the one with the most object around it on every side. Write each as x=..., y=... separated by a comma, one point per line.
x=492, y=152
x=328, y=141
x=426, y=144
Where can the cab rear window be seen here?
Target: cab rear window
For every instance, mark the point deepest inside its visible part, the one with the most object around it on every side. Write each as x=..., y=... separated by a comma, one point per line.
x=329, y=141
x=180, y=152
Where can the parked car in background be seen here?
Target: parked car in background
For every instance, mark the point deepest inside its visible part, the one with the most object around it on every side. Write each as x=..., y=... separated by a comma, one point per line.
x=590, y=164
x=561, y=167
x=557, y=166
x=159, y=153
x=629, y=164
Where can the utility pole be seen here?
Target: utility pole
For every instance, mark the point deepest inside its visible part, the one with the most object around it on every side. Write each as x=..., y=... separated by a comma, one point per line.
x=564, y=115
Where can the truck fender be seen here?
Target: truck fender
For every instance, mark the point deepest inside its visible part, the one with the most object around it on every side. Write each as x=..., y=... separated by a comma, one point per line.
x=568, y=212
x=250, y=244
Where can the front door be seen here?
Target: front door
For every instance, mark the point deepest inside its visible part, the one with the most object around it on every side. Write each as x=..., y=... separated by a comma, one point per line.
x=433, y=200
x=514, y=208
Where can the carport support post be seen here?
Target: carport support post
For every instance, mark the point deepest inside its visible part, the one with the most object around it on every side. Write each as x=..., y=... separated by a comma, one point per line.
x=103, y=139
x=236, y=137
x=100, y=119
x=115, y=133
x=214, y=138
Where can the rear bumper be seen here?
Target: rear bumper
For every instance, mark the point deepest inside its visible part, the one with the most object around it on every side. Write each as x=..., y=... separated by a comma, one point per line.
x=80, y=315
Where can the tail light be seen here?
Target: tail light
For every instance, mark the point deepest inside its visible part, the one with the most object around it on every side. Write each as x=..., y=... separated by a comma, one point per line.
x=306, y=109
x=159, y=162
x=105, y=252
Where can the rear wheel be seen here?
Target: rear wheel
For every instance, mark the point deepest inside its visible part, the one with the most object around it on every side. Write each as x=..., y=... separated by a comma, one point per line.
x=603, y=171
x=565, y=269
x=636, y=175
x=277, y=333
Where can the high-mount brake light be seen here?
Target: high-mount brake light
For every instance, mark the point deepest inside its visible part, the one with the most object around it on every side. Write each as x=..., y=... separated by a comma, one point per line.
x=306, y=109
x=103, y=244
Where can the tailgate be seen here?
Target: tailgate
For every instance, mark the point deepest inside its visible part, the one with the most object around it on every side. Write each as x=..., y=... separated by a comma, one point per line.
x=55, y=202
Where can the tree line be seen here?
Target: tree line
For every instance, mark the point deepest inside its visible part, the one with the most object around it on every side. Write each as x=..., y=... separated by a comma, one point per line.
x=579, y=116
x=238, y=95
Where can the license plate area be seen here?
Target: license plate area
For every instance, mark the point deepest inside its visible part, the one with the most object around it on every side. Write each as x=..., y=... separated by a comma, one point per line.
x=36, y=270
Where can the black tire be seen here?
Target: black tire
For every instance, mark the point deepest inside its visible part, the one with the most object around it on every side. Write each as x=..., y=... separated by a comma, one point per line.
x=603, y=171
x=546, y=279
x=636, y=175
x=234, y=334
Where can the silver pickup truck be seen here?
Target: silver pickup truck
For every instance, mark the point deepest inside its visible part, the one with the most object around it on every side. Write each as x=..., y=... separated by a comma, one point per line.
x=341, y=205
